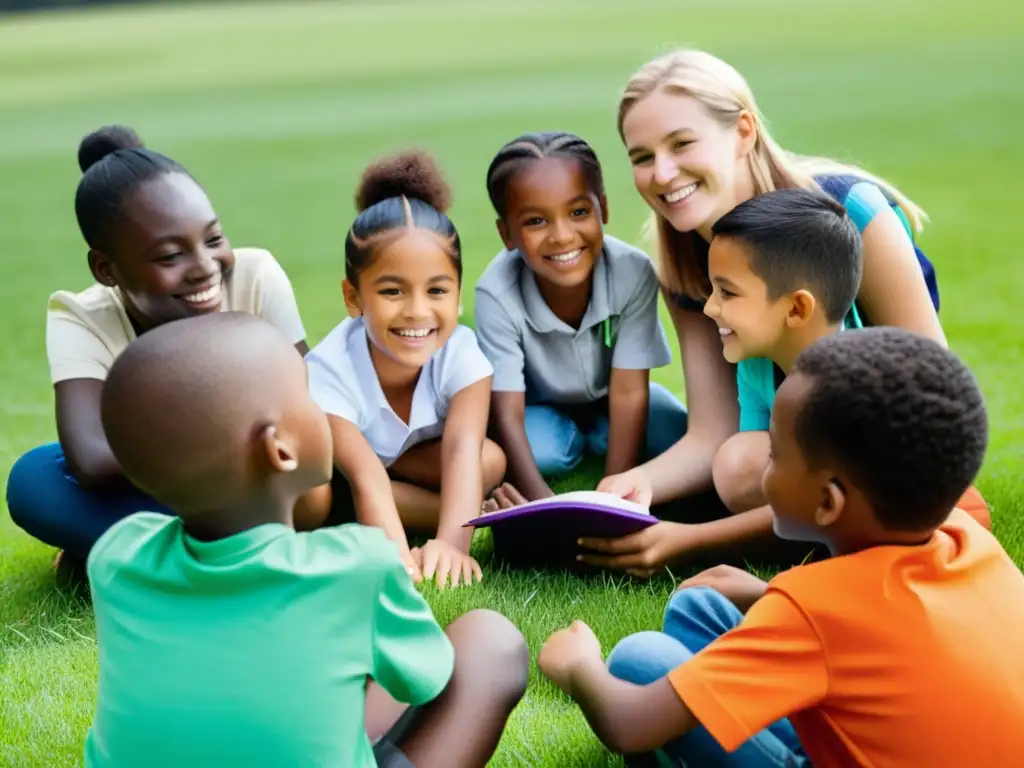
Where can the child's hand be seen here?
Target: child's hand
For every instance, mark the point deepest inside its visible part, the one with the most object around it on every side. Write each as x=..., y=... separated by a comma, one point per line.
x=633, y=485
x=507, y=496
x=742, y=588
x=441, y=560
x=644, y=553
x=566, y=650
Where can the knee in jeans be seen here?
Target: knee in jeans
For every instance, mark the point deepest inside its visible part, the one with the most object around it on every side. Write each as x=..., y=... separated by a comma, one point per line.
x=630, y=659
x=555, y=440
x=691, y=602
x=23, y=482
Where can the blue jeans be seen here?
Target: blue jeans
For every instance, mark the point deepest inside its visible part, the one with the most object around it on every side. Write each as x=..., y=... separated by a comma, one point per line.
x=694, y=618
x=48, y=503
x=558, y=443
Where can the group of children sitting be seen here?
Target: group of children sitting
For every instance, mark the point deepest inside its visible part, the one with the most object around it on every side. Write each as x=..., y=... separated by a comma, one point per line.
x=195, y=444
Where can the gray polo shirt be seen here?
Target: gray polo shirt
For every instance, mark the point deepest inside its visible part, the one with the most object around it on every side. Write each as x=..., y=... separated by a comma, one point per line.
x=535, y=352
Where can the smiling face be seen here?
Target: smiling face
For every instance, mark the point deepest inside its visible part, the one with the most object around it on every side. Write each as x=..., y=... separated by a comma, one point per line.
x=750, y=324
x=689, y=167
x=408, y=296
x=554, y=220
x=168, y=253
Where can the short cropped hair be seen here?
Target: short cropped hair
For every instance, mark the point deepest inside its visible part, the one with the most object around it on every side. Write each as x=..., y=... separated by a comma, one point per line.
x=800, y=240
x=898, y=412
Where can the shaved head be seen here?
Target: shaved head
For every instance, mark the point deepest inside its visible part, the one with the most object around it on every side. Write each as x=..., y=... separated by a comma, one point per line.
x=188, y=406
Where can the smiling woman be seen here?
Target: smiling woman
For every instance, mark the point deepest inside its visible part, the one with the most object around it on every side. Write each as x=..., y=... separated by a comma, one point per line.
x=158, y=253
x=699, y=146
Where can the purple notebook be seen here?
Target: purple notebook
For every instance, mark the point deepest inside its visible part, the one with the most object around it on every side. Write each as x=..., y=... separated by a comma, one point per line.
x=569, y=516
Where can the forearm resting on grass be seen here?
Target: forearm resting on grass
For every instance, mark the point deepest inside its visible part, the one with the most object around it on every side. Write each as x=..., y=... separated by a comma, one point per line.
x=628, y=400
x=628, y=718
x=509, y=409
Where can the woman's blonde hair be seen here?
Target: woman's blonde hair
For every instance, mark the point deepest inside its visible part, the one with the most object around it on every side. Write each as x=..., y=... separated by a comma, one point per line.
x=726, y=94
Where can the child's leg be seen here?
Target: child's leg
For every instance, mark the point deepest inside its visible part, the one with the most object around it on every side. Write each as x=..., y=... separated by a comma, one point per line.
x=46, y=502
x=462, y=726
x=555, y=440
x=416, y=480
x=666, y=424
x=737, y=470
x=693, y=619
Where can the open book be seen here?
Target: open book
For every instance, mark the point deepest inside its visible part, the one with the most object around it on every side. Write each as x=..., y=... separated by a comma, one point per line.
x=569, y=516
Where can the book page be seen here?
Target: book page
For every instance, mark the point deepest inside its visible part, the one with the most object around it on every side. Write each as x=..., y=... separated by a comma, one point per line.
x=590, y=497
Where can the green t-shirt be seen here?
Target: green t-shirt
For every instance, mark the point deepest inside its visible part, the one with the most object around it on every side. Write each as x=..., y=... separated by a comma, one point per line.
x=252, y=650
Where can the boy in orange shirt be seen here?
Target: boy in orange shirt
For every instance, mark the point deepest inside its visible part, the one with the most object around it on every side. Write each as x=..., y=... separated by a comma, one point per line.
x=896, y=651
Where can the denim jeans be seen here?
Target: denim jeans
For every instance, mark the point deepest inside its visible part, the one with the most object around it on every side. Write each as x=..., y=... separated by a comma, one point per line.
x=48, y=503
x=693, y=619
x=558, y=442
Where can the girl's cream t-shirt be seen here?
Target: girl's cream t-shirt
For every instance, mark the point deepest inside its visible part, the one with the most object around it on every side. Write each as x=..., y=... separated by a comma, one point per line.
x=86, y=331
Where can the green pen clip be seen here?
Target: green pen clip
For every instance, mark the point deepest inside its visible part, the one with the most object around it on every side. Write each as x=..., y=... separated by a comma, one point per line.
x=607, y=332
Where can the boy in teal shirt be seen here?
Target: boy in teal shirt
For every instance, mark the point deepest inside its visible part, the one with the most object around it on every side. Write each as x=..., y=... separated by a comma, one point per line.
x=785, y=268
x=228, y=639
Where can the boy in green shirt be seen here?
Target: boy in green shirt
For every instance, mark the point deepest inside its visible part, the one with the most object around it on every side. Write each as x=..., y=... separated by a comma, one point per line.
x=225, y=637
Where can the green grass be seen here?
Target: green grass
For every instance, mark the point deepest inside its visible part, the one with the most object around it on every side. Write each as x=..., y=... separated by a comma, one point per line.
x=277, y=110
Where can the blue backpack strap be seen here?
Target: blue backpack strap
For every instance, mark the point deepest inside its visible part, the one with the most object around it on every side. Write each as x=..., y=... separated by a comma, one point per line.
x=838, y=187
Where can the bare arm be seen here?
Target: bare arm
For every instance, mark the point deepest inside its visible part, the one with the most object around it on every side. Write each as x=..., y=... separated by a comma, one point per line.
x=629, y=718
x=893, y=290
x=371, y=486
x=628, y=397
x=727, y=532
x=81, y=434
x=685, y=468
x=508, y=409
x=461, y=475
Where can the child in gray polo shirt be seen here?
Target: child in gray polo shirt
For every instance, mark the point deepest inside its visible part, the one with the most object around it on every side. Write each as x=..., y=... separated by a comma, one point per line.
x=569, y=319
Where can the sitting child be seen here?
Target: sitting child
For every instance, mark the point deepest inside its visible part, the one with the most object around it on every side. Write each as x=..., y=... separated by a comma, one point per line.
x=785, y=268
x=895, y=651
x=568, y=316
x=405, y=387
x=225, y=637
x=157, y=252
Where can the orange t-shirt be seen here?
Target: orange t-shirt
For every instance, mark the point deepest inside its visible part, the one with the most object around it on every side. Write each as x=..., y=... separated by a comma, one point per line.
x=893, y=656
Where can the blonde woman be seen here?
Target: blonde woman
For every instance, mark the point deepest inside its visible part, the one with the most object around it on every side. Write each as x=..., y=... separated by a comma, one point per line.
x=699, y=146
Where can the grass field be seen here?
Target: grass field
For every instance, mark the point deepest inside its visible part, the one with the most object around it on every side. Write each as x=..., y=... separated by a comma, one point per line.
x=276, y=110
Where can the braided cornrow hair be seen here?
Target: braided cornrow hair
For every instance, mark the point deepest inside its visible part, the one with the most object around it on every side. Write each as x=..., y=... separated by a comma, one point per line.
x=536, y=146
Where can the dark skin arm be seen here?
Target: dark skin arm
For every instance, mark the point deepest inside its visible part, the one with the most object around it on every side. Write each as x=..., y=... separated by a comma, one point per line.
x=628, y=397
x=81, y=435
x=627, y=718
x=508, y=410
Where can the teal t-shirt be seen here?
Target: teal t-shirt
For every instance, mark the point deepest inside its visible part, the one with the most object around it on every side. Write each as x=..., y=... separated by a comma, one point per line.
x=252, y=650
x=757, y=378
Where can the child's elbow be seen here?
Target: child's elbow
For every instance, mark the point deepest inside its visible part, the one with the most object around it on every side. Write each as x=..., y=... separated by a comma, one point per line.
x=91, y=470
x=624, y=740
